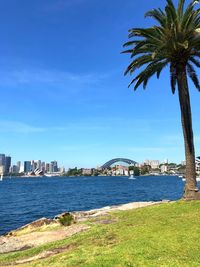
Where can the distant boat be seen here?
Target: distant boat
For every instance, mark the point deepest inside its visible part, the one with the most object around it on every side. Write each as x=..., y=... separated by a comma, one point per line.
x=131, y=177
x=1, y=178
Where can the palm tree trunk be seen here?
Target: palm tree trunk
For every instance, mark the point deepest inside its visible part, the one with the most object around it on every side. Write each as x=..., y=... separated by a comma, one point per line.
x=191, y=191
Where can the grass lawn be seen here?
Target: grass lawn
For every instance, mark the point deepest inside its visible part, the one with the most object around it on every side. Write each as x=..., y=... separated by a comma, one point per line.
x=161, y=235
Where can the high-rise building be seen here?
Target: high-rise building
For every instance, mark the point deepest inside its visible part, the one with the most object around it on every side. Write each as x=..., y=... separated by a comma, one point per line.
x=54, y=166
x=27, y=166
x=34, y=165
x=7, y=164
x=19, y=164
x=38, y=164
x=47, y=167
x=43, y=166
x=2, y=169
x=2, y=159
x=14, y=169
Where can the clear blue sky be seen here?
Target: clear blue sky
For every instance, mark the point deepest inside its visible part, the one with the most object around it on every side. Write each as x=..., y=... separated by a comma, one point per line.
x=63, y=93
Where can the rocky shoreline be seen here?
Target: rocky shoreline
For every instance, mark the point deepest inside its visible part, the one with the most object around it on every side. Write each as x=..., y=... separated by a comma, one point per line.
x=46, y=230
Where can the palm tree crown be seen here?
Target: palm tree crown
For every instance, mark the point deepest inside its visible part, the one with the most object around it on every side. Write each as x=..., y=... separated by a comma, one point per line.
x=173, y=41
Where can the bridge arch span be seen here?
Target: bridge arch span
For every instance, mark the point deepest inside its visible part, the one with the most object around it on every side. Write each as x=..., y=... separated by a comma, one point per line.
x=112, y=161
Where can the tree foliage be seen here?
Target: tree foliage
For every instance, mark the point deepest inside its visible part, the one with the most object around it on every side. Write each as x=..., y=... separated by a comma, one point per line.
x=173, y=41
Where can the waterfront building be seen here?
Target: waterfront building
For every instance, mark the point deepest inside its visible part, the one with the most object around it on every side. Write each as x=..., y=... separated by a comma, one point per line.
x=126, y=173
x=2, y=169
x=7, y=164
x=27, y=166
x=198, y=165
x=121, y=170
x=147, y=162
x=165, y=161
x=38, y=164
x=19, y=165
x=155, y=164
x=2, y=159
x=33, y=165
x=86, y=171
x=14, y=169
x=164, y=168
x=21, y=170
x=54, y=166
x=43, y=166
x=62, y=169
x=47, y=167
x=183, y=162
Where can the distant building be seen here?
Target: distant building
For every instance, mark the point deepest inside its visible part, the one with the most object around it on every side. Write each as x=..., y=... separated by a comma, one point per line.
x=155, y=164
x=62, y=169
x=47, y=167
x=27, y=166
x=19, y=164
x=164, y=168
x=14, y=169
x=2, y=169
x=7, y=164
x=43, y=166
x=165, y=161
x=86, y=171
x=33, y=165
x=2, y=159
x=121, y=170
x=198, y=165
x=183, y=162
x=54, y=166
x=38, y=164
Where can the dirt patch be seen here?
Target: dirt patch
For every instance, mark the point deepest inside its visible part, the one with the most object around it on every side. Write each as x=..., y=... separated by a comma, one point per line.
x=42, y=255
x=46, y=254
x=105, y=221
x=12, y=243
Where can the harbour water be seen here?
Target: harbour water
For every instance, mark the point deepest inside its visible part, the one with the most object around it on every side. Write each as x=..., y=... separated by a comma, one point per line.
x=23, y=200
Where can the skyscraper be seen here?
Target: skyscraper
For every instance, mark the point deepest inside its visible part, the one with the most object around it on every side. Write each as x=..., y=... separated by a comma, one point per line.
x=27, y=166
x=54, y=166
x=2, y=159
x=7, y=164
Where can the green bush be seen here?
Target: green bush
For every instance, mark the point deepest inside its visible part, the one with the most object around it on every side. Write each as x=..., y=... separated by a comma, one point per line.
x=66, y=219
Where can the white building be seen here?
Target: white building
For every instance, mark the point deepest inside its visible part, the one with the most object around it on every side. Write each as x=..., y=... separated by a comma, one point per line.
x=153, y=163
x=2, y=169
x=164, y=168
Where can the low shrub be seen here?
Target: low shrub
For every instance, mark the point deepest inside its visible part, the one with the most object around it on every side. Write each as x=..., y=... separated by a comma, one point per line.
x=66, y=220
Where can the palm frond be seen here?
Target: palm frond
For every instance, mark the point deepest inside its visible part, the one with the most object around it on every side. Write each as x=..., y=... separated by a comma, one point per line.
x=175, y=39
x=180, y=8
x=158, y=15
x=195, y=61
x=173, y=78
x=147, y=73
x=138, y=62
x=193, y=76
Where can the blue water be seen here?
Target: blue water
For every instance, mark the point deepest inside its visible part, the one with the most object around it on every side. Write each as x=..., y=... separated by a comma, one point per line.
x=23, y=200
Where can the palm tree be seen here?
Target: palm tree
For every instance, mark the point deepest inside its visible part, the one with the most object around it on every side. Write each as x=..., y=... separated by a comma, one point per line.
x=175, y=42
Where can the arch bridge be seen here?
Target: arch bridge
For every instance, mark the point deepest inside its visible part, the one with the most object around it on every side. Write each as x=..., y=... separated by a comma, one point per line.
x=112, y=161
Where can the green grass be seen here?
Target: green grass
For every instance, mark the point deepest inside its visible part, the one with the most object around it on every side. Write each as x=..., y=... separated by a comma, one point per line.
x=162, y=235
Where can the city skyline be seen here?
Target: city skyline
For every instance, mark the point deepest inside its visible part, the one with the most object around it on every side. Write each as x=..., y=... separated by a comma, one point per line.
x=117, y=166
x=72, y=104
x=6, y=160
